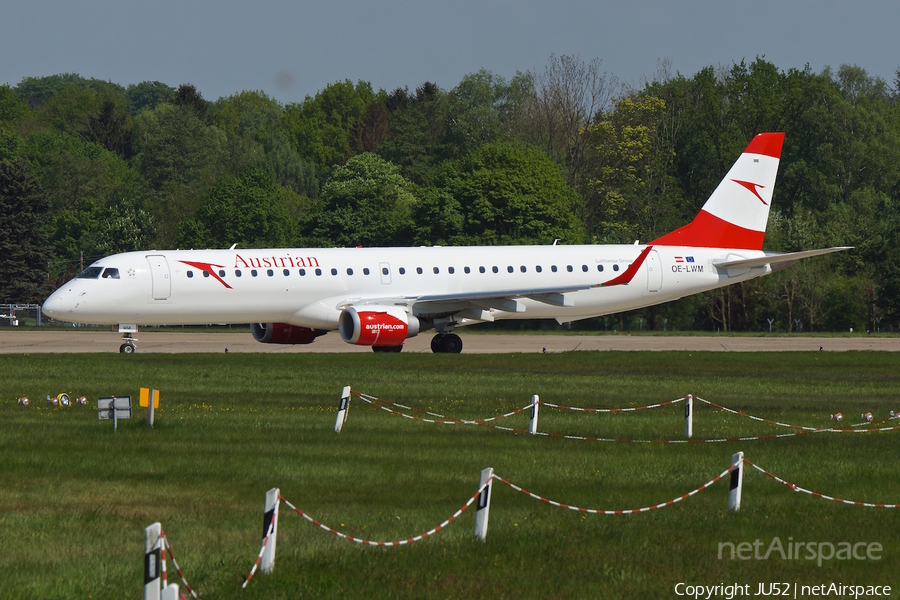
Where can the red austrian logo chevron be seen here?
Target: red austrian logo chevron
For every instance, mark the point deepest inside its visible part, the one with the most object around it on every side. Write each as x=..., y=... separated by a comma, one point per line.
x=753, y=187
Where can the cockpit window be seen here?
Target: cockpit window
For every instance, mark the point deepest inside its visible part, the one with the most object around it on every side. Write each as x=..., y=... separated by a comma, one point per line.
x=111, y=273
x=90, y=273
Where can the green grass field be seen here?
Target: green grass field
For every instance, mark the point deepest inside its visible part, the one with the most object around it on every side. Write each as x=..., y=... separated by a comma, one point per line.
x=75, y=497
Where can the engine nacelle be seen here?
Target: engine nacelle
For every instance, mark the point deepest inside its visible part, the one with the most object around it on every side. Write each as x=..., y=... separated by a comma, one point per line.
x=282, y=333
x=377, y=325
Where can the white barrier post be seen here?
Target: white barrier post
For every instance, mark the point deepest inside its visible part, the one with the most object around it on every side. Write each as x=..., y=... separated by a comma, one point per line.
x=152, y=552
x=737, y=483
x=270, y=519
x=343, y=408
x=151, y=402
x=689, y=416
x=532, y=425
x=483, y=505
x=170, y=592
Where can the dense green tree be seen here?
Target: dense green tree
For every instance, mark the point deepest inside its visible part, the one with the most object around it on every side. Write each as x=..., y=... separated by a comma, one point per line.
x=250, y=121
x=510, y=193
x=320, y=127
x=147, y=95
x=367, y=202
x=249, y=210
x=24, y=249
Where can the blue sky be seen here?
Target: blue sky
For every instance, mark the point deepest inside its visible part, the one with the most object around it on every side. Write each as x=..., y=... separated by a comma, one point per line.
x=290, y=49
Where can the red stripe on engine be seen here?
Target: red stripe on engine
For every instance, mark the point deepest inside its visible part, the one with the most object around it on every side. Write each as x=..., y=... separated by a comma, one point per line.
x=709, y=231
x=767, y=144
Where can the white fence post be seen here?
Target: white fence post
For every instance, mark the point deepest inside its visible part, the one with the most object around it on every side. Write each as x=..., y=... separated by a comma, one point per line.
x=152, y=552
x=343, y=409
x=737, y=483
x=270, y=519
x=532, y=425
x=151, y=407
x=483, y=505
x=689, y=416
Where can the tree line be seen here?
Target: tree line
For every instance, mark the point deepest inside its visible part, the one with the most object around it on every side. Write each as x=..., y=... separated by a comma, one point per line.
x=90, y=168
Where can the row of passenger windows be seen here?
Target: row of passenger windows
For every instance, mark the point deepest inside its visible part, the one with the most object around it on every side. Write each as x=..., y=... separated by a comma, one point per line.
x=402, y=270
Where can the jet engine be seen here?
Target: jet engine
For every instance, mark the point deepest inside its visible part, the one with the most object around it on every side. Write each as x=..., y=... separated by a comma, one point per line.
x=282, y=333
x=377, y=325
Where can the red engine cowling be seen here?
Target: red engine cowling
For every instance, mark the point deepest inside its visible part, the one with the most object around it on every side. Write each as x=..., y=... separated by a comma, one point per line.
x=377, y=325
x=282, y=333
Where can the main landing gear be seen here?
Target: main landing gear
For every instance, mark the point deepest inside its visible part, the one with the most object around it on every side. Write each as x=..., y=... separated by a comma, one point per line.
x=449, y=343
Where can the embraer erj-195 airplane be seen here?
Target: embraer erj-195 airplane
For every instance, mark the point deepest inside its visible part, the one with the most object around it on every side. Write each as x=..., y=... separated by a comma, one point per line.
x=380, y=296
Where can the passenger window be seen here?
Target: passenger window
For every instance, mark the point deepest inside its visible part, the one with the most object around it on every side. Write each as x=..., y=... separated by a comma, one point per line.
x=419, y=270
x=254, y=273
x=206, y=273
x=90, y=273
x=436, y=270
x=334, y=271
x=111, y=273
x=221, y=272
x=286, y=272
x=349, y=271
x=600, y=268
x=270, y=273
x=481, y=269
x=522, y=268
x=538, y=268
x=467, y=270
x=495, y=269
x=451, y=270
x=615, y=267
x=366, y=271
x=318, y=272
x=569, y=268
x=237, y=273
x=509, y=269
x=190, y=274
x=584, y=268
x=384, y=271
x=403, y=270
x=553, y=268
x=302, y=272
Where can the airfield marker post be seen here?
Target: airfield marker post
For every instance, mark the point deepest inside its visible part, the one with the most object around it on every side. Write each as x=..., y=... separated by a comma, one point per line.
x=343, y=409
x=689, y=416
x=737, y=482
x=270, y=520
x=532, y=425
x=483, y=505
x=152, y=550
x=151, y=406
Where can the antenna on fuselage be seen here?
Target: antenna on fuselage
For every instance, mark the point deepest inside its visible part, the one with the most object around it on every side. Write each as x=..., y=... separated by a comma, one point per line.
x=233, y=246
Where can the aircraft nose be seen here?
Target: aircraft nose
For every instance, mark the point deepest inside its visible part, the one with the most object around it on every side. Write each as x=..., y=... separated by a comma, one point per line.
x=52, y=306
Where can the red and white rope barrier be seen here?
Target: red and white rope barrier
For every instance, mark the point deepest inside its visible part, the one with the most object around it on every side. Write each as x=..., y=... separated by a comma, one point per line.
x=168, y=547
x=441, y=419
x=630, y=511
x=797, y=488
x=357, y=540
x=612, y=410
x=259, y=558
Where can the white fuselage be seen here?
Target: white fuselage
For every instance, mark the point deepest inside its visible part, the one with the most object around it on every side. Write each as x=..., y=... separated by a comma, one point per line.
x=311, y=287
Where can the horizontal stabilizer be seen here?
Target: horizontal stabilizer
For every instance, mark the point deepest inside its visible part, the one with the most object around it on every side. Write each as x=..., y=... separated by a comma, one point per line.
x=778, y=258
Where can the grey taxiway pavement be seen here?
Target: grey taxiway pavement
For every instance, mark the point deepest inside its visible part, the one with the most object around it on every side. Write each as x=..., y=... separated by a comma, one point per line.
x=32, y=341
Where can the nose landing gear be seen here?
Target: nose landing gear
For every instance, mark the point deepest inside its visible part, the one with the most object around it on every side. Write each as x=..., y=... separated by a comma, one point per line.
x=128, y=347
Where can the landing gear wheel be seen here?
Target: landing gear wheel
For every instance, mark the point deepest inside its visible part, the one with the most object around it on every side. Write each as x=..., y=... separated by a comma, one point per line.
x=447, y=343
x=127, y=349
